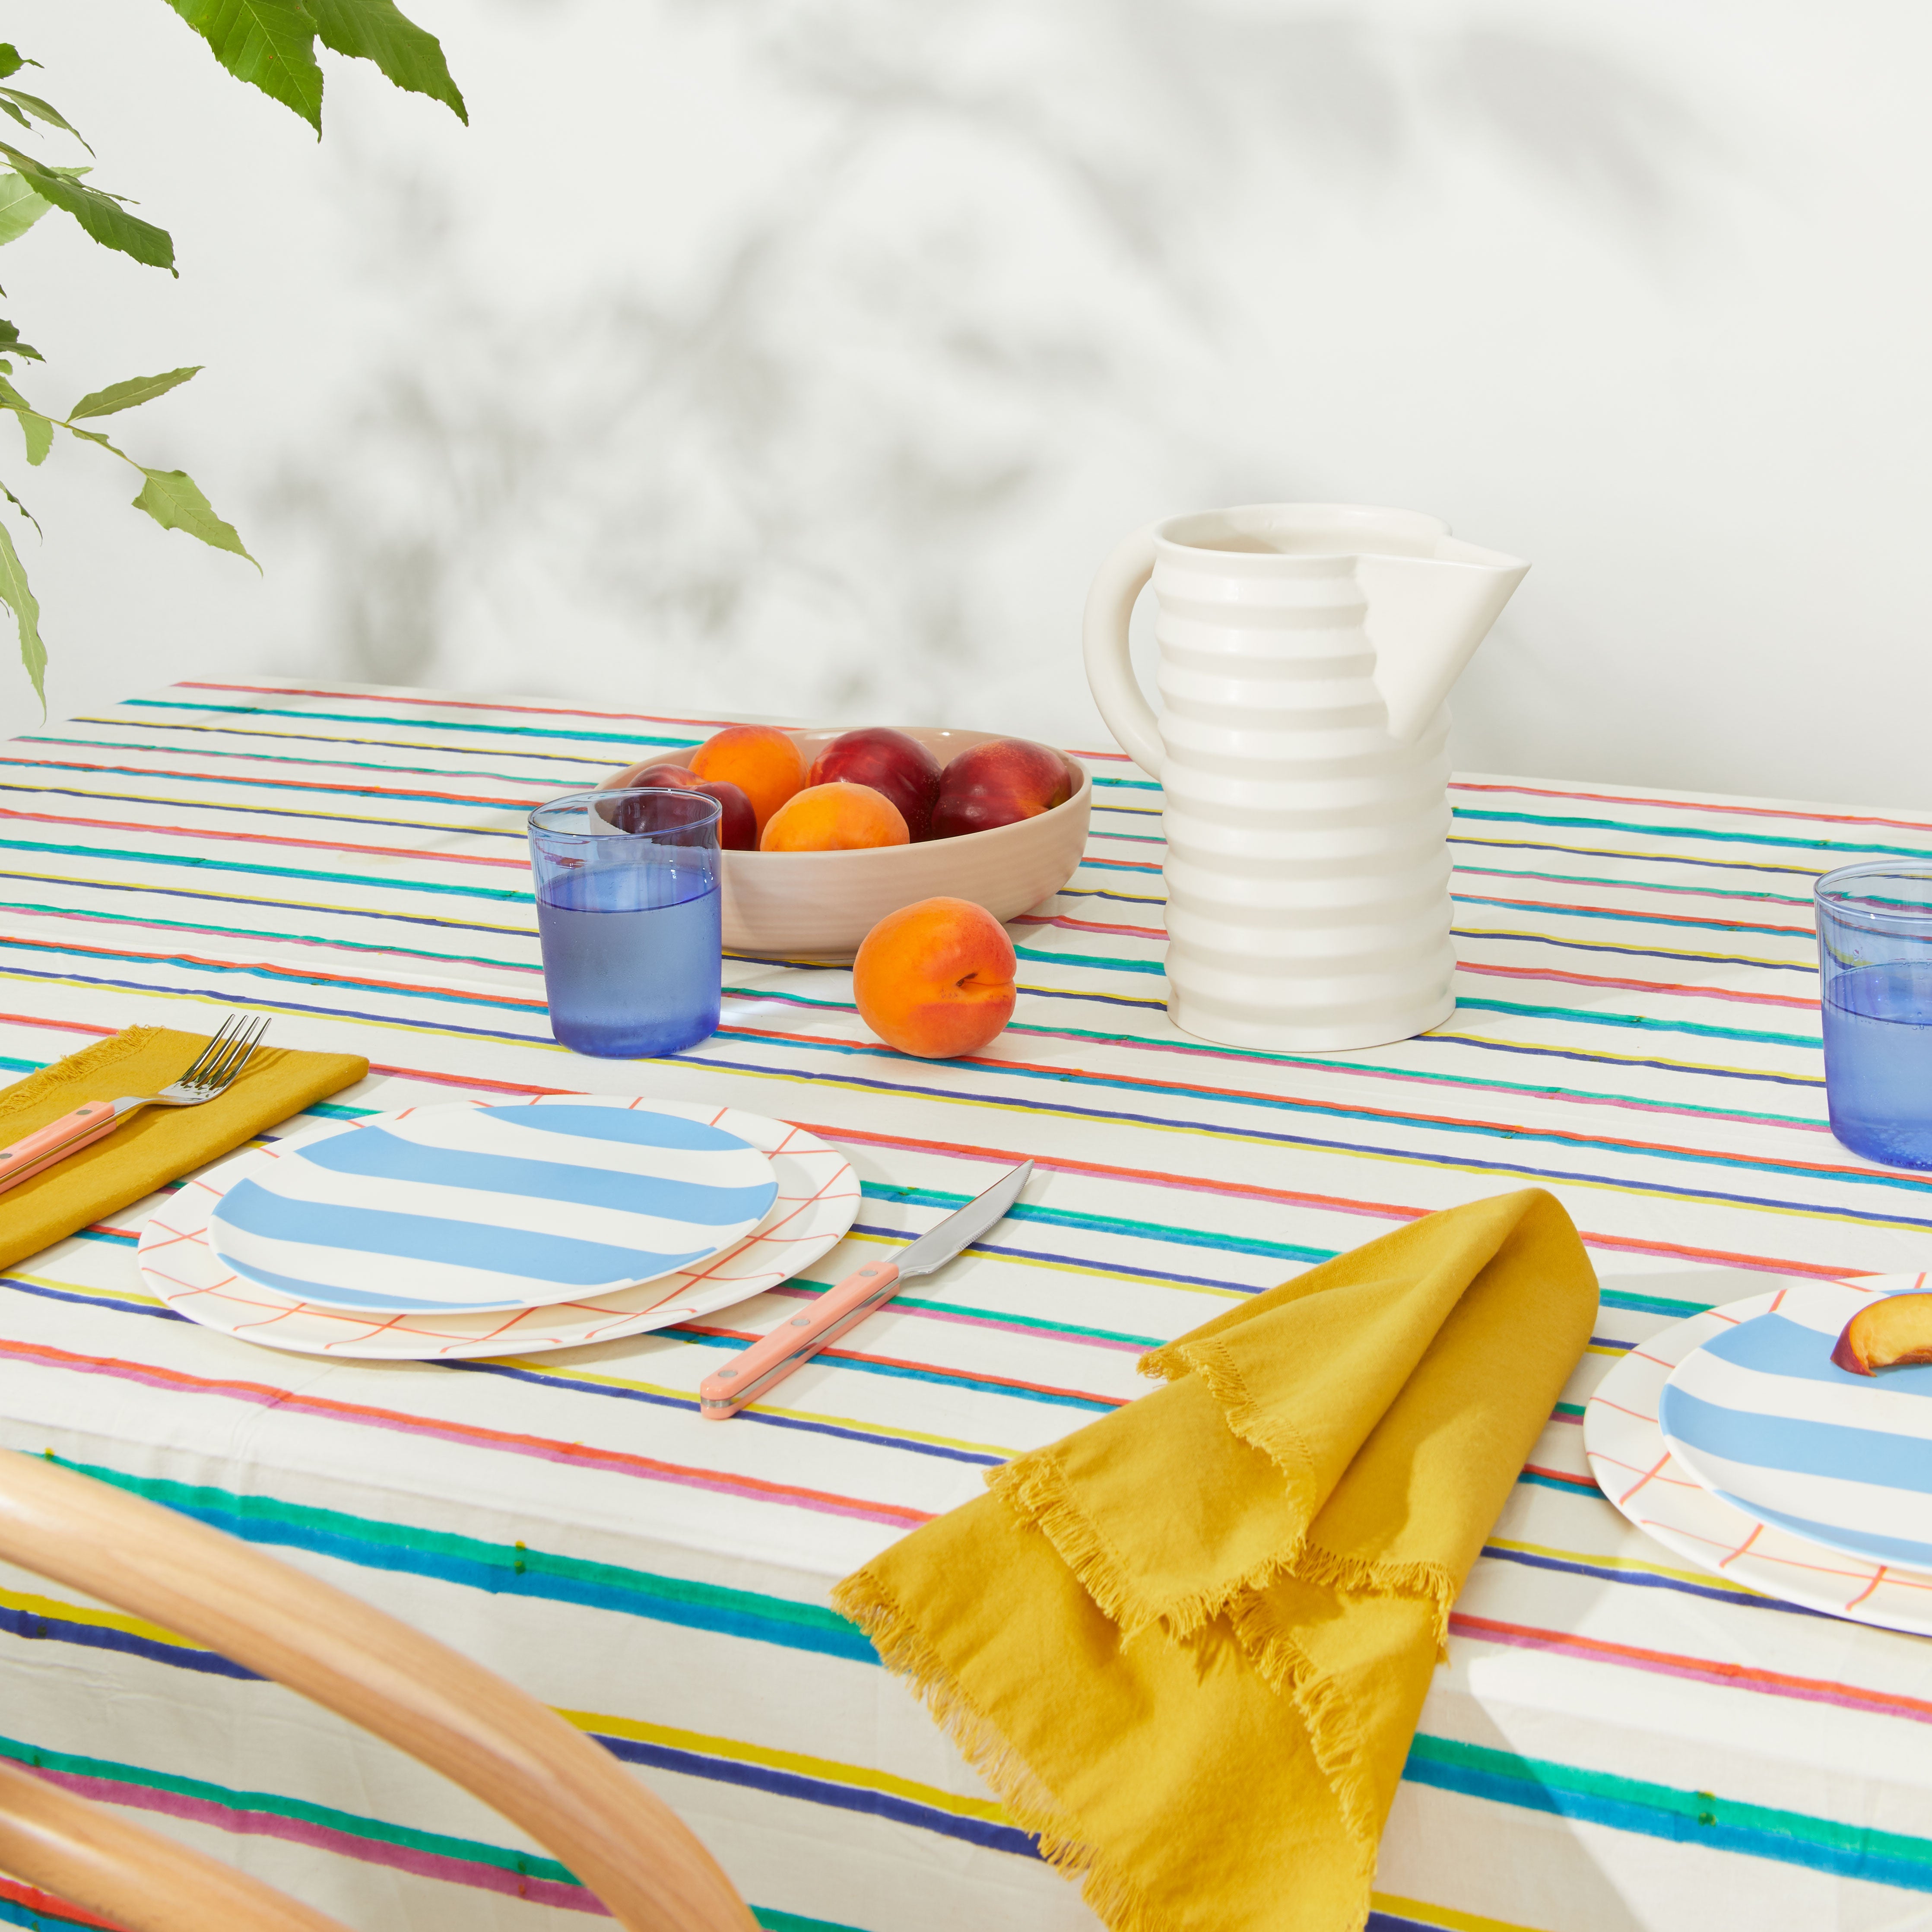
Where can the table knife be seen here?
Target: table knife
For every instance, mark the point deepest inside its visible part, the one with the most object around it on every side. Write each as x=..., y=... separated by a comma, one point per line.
x=773, y=1357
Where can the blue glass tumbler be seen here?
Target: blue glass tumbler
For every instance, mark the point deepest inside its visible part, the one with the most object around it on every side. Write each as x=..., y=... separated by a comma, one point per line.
x=1875, y=969
x=628, y=912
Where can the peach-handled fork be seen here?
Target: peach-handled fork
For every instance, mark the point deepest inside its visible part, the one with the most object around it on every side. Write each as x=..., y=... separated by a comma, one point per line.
x=213, y=1071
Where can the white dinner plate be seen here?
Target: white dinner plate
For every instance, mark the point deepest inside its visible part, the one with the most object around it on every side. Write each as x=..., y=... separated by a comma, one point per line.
x=1634, y=1468
x=817, y=1199
x=490, y=1206
x=1762, y=1416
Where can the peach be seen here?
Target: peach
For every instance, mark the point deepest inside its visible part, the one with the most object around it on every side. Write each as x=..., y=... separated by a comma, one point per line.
x=761, y=760
x=935, y=980
x=998, y=783
x=1893, y=1332
x=833, y=818
x=891, y=762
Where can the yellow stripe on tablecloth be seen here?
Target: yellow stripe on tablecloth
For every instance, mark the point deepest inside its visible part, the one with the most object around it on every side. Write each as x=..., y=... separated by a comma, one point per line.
x=539, y=1365
x=859, y=1777
x=55, y=1611
x=120, y=1292
x=1703, y=1577
x=1442, y=1916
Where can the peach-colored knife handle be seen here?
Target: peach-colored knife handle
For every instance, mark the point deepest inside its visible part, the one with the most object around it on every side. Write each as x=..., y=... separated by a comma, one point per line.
x=56, y=1142
x=772, y=1357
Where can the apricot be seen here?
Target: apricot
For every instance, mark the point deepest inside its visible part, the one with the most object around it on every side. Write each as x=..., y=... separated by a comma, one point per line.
x=935, y=980
x=893, y=762
x=761, y=760
x=834, y=817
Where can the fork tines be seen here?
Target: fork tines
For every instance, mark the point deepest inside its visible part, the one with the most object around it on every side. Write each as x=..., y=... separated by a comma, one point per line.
x=226, y=1054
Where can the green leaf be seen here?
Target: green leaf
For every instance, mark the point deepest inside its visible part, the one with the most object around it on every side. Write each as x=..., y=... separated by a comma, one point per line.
x=374, y=30
x=12, y=60
x=100, y=214
x=173, y=499
x=20, y=207
x=18, y=599
x=39, y=433
x=6, y=107
x=10, y=344
x=35, y=426
x=22, y=508
x=268, y=43
x=131, y=393
x=41, y=111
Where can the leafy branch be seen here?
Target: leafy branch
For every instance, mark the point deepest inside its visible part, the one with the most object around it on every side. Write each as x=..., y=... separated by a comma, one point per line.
x=270, y=44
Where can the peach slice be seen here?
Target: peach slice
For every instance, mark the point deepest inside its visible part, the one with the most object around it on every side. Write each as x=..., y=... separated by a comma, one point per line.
x=1892, y=1333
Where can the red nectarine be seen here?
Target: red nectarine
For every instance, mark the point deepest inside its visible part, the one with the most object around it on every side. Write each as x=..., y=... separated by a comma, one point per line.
x=891, y=762
x=998, y=783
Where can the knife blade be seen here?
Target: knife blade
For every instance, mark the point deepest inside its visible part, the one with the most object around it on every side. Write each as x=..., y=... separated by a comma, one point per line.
x=773, y=1357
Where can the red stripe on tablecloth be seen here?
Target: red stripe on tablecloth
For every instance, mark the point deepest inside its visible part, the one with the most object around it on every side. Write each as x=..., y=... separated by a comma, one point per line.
x=122, y=827
x=444, y=703
x=1692, y=805
x=544, y=1448
x=415, y=792
x=1709, y=1670
x=1637, y=985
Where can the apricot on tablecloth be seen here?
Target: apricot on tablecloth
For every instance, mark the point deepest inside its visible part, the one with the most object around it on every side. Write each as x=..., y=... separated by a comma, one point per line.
x=935, y=980
x=761, y=760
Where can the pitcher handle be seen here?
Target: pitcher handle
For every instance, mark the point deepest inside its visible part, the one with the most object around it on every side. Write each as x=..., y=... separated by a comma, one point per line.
x=1110, y=670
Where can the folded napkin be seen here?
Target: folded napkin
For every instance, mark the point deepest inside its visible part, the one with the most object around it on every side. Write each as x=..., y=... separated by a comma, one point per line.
x=154, y=1147
x=1188, y=1645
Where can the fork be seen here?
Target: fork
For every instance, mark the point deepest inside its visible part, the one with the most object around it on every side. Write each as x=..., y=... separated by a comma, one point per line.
x=213, y=1071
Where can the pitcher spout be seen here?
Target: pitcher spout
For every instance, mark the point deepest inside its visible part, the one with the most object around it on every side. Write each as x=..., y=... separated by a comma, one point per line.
x=1426, y=616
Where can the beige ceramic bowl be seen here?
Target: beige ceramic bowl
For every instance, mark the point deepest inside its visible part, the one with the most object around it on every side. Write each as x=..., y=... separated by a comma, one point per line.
x=823, y=904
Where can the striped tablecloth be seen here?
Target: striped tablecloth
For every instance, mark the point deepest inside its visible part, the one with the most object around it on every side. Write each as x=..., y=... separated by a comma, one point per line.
x=1618, y=1740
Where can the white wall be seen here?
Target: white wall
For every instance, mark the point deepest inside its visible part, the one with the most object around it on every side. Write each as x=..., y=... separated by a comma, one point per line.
x=805, y=355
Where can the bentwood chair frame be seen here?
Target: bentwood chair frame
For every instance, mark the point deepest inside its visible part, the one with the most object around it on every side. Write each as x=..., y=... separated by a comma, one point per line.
x=630, y=1850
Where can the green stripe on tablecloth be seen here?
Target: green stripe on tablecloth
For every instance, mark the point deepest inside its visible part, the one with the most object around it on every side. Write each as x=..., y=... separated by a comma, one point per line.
x=505, y=1569
x=439, y=1844
x=1662, y=1811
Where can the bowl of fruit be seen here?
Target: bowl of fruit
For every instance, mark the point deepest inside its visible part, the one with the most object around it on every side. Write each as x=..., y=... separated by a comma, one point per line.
x=826, y=832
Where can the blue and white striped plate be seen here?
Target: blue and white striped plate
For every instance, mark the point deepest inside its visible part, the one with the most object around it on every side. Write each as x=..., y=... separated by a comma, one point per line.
x=506, y=1207
x=1762, y=1416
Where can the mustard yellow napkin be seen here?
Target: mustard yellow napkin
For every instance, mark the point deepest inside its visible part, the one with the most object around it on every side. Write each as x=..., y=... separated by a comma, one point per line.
x=1188, y=1644
x=155, y=1146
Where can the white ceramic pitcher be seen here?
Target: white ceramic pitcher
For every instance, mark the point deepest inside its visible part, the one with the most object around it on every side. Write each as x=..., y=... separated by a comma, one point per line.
x=1306, y=652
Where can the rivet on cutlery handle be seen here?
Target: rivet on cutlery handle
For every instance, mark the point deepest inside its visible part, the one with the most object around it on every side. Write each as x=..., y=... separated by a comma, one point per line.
x=773, y=1357
x=55, y=1141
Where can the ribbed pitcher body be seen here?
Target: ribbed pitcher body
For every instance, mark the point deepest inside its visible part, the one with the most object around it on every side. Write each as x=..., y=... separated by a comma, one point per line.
x=1308, y=865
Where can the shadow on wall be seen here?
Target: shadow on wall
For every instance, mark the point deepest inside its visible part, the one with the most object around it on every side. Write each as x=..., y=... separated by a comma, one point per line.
x=819, y=467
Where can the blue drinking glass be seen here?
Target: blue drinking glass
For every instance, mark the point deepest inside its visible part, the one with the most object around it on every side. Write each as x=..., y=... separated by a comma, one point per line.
x=627, y=910
x=1875, y=964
